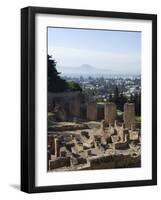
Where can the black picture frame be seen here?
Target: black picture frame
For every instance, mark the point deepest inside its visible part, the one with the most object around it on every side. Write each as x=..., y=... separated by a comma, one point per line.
x=28, y=98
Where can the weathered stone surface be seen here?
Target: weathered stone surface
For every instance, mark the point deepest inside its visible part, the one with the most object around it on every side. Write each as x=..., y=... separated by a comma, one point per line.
x=81, y=160
x=85, y=134
x=103, y=125
x=115, y=138
x=52, y=157
x=110, y=113
x=63, y=152
x=60, y=112
x=64, y=105
x=121, y=145
x=115, y=161
x=74, y=108
x=134, y=135
x=122, y=132
x=67, y=126
x=51, y=144
x=92, y=111
x=59, y=162
x=129, y=114
x=57, y=147
x=104, y=146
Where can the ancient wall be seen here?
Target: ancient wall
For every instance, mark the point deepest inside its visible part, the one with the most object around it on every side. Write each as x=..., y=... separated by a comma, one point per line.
x=74, y=107
x=115, y=161
x=59, y=162
x=67, y=103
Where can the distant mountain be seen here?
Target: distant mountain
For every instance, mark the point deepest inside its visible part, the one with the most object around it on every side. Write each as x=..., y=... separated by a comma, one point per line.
x=81, y=70
x=87, y=67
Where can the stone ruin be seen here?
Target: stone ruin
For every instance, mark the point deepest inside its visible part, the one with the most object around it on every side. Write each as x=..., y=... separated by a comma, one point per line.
x=65, y=106
x=98, y=141
x=104, y=147
x=129, y=114
x=109, y=145
x=110, y=113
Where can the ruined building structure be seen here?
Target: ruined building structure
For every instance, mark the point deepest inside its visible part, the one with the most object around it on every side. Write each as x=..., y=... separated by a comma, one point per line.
x=97, y=141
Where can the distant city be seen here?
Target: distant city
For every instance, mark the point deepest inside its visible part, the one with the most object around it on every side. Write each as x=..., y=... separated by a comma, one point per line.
x=104, y=85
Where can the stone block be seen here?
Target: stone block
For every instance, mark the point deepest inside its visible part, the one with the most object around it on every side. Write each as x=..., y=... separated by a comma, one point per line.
x=129, y=114
x=110, y=113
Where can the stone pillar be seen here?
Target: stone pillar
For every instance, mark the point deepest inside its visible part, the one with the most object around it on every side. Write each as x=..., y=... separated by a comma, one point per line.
x=110, y=113
x=103, y=124
x=57, y=147
x=124, y=133
x=133, y=127
x=129, y=114
x=51, y=144
x=115, y=124
x=92, y=111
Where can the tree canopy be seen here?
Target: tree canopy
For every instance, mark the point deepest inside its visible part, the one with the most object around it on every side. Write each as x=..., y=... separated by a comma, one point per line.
x=74, y=86
x=55, y=82
x=120, y=99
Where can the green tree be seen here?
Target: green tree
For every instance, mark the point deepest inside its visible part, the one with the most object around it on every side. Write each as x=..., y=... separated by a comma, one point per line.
x=110, y=98
x=122, y=100
x=137, y=101
x=73, y=86
x=55, y=82
x=116, y=95
x=131, y=100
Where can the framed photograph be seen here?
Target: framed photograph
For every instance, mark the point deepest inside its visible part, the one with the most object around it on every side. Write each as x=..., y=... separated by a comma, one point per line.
x=88, y=99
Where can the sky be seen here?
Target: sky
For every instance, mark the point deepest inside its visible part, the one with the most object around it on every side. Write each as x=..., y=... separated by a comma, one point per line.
x=99, y=51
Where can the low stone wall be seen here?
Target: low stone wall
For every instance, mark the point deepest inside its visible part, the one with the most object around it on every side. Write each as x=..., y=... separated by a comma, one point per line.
x=121, y=145
x=67, y=127
x=115, y=161
x=81, y=161
x=59, y=162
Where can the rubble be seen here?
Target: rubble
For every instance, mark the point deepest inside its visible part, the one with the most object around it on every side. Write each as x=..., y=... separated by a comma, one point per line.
x=102, y=144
